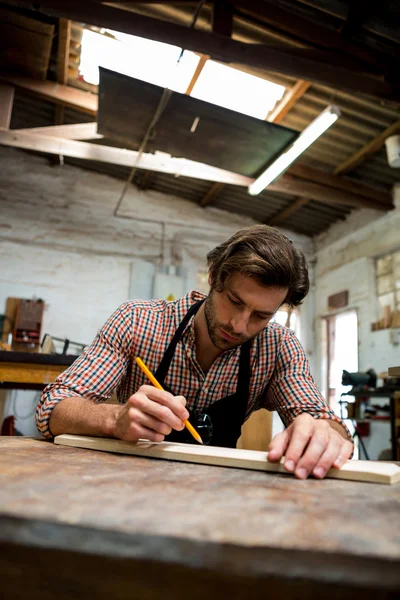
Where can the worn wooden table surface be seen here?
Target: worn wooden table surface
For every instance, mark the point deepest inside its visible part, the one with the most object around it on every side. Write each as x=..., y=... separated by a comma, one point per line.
x=225, y=529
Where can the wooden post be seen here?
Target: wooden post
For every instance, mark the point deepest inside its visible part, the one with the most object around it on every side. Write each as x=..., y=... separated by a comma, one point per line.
x=6, y=104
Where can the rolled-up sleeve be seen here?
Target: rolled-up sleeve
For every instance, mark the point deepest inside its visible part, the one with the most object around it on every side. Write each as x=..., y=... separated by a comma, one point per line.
x=291, y=390
x=96, y=373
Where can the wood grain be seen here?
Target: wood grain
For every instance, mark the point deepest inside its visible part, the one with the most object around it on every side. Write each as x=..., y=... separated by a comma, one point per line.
x=365, y=471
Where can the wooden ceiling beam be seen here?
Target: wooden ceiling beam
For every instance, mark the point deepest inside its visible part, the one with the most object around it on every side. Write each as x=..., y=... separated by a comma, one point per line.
x=162, y=163
x=222, y=19
x=64, y=40
x=371, y=148
x=55, y=92
x=288, y=101
x=295, y=186
x=76, y=131
x=200, y=66
x=306, y=30
x=212, y=192
x=284, y=214
x=220, y=47
x=6, y=104
x=352, y=187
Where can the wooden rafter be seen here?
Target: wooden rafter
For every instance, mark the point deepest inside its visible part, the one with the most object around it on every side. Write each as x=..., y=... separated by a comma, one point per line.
x=76, y=131
x=64, y=39
x=222, y=21
x=162, y=163
x=288, y=101
x=200, y=66
x=287, y=212
x=352, y=187
x=55, y=92
x=6, y=104
x=302, y=28
x=282, y=60
x=370, y=148
x=212, y=192
x=295, y=186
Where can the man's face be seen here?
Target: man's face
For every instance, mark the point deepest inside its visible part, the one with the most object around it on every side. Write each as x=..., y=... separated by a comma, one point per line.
x=240, y=311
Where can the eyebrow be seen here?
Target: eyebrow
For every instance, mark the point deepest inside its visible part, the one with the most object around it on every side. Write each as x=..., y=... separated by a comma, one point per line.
x=261, y=312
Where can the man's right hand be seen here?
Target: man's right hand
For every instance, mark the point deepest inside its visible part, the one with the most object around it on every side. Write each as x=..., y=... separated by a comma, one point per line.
x=150, y=414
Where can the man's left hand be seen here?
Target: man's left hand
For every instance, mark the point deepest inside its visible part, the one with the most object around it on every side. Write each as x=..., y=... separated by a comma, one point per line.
x=310, y=446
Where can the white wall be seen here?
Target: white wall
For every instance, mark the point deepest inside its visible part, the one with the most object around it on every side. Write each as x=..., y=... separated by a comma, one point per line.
x=345, y=260
x=60, y=241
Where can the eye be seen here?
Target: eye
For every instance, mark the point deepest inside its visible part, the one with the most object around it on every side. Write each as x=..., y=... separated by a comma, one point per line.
x=234, y=302
x=262, y=317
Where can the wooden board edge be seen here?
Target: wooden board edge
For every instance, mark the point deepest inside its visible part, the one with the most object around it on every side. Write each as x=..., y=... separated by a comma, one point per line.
x=246, y=459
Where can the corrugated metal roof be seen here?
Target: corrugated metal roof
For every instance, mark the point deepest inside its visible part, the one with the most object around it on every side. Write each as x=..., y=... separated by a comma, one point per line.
x=363, y=119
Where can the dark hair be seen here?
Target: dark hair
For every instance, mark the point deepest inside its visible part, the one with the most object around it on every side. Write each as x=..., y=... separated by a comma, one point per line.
x=265, y=254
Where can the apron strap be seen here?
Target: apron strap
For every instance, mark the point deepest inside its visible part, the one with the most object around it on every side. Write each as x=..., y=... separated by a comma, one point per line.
x=164, y=365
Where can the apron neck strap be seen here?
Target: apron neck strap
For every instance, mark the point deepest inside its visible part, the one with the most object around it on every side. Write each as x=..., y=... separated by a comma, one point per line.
x=163, y=367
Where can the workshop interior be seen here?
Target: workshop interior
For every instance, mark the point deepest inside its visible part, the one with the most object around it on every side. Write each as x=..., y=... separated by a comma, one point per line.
x=135, y=138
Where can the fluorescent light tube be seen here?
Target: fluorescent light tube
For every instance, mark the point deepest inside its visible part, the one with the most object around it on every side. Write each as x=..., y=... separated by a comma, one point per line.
x=307, y=137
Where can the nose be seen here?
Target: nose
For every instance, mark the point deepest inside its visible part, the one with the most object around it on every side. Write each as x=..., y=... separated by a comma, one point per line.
x=239, y=324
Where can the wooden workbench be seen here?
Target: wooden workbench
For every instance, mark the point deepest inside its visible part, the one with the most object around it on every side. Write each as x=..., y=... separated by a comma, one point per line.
x=82, y=524
x=30, y=370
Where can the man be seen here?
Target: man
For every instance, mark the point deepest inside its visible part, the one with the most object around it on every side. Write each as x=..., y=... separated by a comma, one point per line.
x=219, y=357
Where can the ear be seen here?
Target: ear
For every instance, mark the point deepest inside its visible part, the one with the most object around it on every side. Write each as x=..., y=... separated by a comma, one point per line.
x=209, y=279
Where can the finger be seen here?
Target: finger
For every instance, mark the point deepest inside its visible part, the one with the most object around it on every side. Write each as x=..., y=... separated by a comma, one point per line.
x=300, y=436
x=137, y=432
x=328, y=457
x=344, y=454
x=161, y=412
x=145, y=420
x=174, y=403
x=318, y=444
x=278, y=445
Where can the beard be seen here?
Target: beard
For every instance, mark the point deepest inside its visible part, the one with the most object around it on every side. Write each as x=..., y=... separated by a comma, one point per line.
x=214, y=326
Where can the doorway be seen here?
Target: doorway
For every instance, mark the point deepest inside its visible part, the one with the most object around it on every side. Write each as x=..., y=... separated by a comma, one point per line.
x=342, y=353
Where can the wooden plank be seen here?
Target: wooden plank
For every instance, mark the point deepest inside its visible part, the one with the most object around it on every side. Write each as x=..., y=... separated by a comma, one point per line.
x=162, y=163
x=370, y=148
x=212, y=192
x=25, y=44
x=76, y=131
x=219, y=47
x=200, y=66
x=64, y=39
x=288, y=211
x=55, y=92
x=288, y=101
x=300, y=187
x=6, y=104
x=222, y=19
x=353, y=187
x=368, y=471
x=284, y=19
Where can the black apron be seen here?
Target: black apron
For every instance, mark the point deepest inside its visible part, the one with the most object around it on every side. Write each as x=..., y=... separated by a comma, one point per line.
x=228, y=414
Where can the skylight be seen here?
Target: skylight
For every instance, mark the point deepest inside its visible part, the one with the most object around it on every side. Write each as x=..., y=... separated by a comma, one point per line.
x=156, y=62
x=137, y=57
x=239, y=91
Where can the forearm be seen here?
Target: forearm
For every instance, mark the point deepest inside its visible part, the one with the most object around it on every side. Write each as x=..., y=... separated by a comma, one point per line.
x=80, y=416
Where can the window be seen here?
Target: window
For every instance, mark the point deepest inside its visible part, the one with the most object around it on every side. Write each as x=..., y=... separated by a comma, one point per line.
x=138, y=57
x=237, y=90
x=156, y=62
x=388, y=280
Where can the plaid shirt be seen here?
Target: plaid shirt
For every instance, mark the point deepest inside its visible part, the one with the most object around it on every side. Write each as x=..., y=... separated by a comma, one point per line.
x=280, y=376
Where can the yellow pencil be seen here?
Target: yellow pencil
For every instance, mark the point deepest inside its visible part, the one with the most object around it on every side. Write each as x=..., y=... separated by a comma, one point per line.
x=159, y=386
